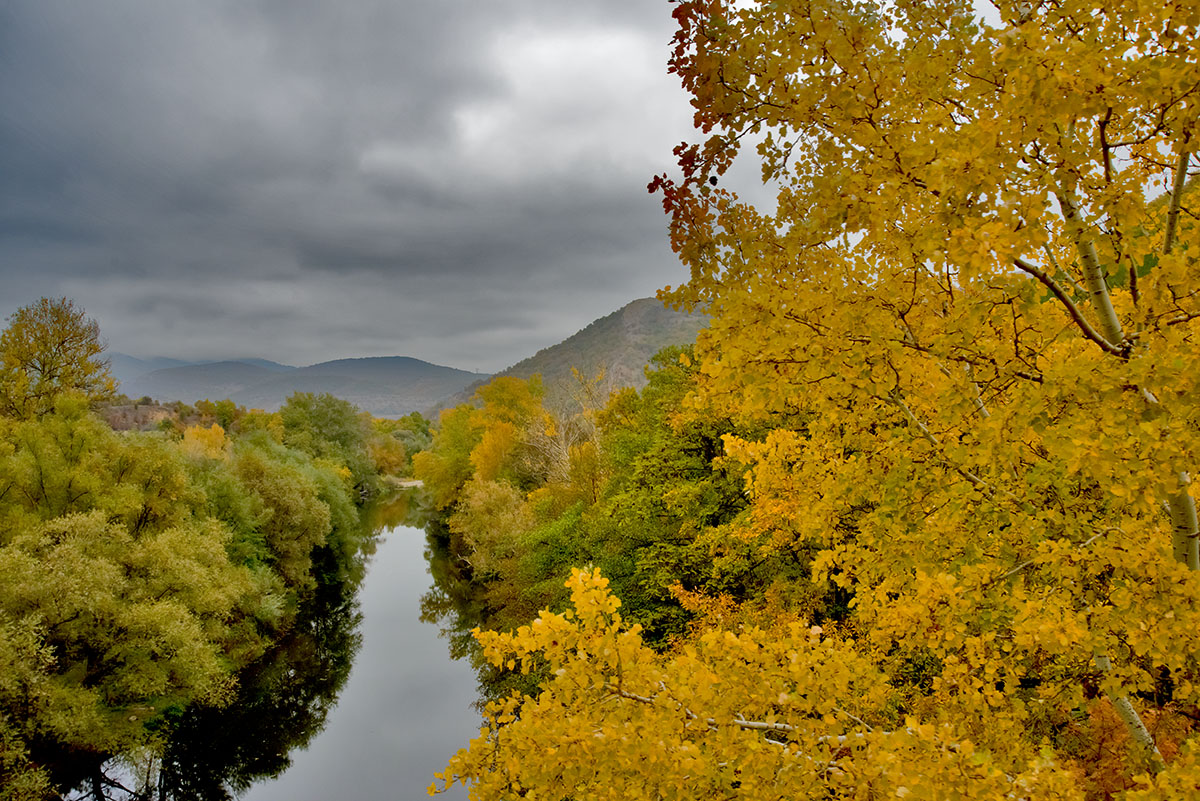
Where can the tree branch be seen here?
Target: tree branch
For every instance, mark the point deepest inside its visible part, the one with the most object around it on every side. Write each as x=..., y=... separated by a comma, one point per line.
x=986, y=486
x=1086, y=327
x=1105, y=148
x=1014, y=571
x=1133, y=722
x=1181, y=509
x=754, y=725
x=1185, y=533
x=757, y=725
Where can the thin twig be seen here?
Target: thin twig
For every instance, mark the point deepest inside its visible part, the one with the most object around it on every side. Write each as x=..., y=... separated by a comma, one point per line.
x=933, y=440
x=1029, y=562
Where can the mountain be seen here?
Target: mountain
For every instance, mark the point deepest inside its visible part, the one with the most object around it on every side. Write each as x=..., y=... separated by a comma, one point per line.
x=267, y=364
x=386, y=386
x=193, y=382
x=127, y=369
x=389, y=386
x=619, y=344
x=130, y=370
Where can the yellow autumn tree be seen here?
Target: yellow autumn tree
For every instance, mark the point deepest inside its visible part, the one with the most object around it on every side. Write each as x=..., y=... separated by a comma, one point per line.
x=747, y=715
x=48, y=349
x=977, y=286
x=205, y=443
x=964, y=284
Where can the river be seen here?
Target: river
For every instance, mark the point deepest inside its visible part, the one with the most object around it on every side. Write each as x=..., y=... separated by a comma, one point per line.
x=406, y=706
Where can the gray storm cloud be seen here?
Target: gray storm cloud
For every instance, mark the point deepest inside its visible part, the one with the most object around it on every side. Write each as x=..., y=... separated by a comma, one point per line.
x=459, y=181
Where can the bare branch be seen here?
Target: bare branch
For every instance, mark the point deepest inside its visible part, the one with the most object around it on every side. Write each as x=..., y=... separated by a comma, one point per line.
x=1105, y=148
x=741, y=723
x=755, y=725
x=1028, y=562
x=986, y=486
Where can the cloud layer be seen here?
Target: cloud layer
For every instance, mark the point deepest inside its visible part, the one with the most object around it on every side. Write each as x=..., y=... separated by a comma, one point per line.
x=459, y=181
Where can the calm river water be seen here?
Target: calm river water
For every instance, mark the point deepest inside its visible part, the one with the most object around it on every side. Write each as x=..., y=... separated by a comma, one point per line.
x=406, y=707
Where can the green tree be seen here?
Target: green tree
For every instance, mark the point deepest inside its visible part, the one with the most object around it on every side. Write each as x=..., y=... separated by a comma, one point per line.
x=631, y=488
x=139, y=573
x=330, y=428
x=446, y=465
x=50, y=348
x=117, y=597
x=293, y=520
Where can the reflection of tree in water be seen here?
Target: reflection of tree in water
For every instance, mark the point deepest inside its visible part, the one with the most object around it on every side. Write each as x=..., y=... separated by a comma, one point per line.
x=281, y=704
x=454, y=601
x=282, y=699
x=404, y=508
x=457, y=603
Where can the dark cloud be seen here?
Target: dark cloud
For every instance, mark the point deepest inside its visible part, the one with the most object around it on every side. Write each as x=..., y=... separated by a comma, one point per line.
x=301, y=179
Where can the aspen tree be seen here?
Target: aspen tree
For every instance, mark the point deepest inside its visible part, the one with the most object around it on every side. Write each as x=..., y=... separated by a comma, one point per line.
x=956, y=193
x=978, y=285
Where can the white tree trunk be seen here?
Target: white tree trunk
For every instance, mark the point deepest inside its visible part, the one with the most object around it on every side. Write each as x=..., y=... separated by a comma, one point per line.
x=1185, y=534
x=1093, y=273
x=1129, y=716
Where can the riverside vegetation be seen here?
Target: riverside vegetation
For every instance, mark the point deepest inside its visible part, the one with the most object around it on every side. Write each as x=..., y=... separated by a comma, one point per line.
x=156, y=585
x=915, y=519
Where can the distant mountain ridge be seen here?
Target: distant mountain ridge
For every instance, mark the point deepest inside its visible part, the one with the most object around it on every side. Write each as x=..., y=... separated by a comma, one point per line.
x=193, y=382
x=126, y=368
x=385, y=386
x=620, y=344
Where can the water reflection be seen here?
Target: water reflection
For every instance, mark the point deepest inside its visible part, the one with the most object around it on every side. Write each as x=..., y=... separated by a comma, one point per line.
x=453, y=602
x=458, y=602
x=360, y=700
x=406, y=706
x=283, y=701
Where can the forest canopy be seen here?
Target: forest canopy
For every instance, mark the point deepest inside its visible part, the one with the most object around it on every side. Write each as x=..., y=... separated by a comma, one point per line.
x=142, y=571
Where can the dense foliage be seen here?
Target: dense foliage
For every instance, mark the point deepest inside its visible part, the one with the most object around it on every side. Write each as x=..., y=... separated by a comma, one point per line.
x=47, y=348
x=635, y=489
x=142, y=573
x=958, y=360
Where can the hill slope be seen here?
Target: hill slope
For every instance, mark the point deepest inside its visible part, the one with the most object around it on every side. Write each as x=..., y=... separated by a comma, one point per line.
x=193, y=382
x=619, y=344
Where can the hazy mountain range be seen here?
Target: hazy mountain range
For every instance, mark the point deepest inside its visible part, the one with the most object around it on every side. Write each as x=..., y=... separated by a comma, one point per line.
x=620, y=344
x=386, y=386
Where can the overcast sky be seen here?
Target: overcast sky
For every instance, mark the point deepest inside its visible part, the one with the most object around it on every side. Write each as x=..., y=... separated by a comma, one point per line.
x=462, y=181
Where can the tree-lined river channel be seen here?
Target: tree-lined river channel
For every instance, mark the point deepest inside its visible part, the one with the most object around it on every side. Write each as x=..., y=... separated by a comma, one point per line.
x=406, y=705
